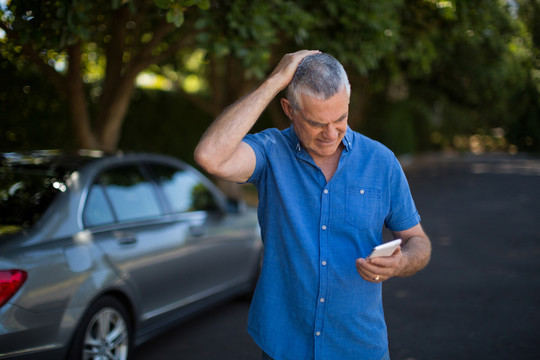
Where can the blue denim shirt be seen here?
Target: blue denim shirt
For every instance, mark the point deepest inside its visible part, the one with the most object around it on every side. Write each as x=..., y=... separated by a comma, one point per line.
x=310, y=302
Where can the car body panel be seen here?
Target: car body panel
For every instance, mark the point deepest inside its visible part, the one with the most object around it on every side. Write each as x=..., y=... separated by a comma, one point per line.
x=163, y=268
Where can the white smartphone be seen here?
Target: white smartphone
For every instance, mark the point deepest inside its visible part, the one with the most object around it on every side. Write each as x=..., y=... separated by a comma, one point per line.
x=386, y=249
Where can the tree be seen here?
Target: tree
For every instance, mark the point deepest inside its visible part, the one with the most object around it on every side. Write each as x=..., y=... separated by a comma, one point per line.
x=420, y=69
x=93, y=51
x=64, y=39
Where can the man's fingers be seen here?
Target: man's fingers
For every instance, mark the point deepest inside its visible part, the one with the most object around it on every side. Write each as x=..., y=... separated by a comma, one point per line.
x=366, y=273
x=372, y=272
x=289, y=63
x=300, y=55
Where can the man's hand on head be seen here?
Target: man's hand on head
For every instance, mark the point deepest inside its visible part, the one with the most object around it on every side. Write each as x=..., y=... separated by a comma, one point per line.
x=284, y=71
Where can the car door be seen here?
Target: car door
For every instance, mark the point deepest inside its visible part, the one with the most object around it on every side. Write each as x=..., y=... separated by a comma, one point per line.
x=221, y=244
x=170, y=240
x=142, y=243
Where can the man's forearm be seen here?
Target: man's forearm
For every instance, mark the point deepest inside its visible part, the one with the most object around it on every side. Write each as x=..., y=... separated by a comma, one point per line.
x=416, y=252
x=223, y=137
x=220, y=150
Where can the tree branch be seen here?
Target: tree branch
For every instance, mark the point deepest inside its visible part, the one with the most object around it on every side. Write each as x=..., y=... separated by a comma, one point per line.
x=144, y=59
x=115, y=48
x=80, y=117
x=113, y=71
x=161, y=31
x=172, y=49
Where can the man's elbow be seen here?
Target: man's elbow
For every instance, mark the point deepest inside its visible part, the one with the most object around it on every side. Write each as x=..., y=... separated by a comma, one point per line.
x=204, y=159
x=424, y=253
x=236, y=166
x=427, y=256
x=208, y=162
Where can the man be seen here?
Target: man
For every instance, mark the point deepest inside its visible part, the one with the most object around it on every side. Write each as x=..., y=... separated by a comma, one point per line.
x=325, y=193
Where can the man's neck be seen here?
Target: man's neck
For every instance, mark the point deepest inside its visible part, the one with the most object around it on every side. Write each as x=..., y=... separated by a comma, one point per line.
x=329, y=164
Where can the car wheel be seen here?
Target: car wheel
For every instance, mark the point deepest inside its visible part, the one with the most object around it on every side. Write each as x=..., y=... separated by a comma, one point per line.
x=105, y=332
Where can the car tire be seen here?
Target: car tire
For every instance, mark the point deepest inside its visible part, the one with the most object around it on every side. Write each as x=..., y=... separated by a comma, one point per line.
x=105, y=332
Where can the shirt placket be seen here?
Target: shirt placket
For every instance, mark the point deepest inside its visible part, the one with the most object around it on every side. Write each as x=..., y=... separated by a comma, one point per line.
x=324, y=236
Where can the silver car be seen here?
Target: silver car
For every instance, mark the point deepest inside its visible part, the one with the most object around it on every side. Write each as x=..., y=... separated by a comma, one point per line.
x=98, y=253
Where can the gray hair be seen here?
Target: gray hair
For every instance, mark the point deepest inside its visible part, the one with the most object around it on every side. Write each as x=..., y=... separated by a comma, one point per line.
x=320, y=76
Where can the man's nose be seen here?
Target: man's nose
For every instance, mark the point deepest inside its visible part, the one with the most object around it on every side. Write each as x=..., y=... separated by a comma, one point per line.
x=330, y=132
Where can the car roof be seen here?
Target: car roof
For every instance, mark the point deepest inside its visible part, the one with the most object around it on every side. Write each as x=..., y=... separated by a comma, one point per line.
x=73, y=160
x=69, y=160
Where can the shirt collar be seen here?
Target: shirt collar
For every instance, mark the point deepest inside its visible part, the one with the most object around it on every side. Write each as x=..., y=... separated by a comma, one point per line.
x=295, y=142
x=348, y=139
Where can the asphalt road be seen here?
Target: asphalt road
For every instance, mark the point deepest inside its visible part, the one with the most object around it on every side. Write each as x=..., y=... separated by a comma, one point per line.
x=479, y=298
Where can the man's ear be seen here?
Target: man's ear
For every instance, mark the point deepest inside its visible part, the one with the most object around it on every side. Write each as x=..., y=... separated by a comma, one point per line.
x=287, y=108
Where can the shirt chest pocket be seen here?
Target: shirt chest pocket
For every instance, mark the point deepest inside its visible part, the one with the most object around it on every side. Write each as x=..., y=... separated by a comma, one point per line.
x=362, y=206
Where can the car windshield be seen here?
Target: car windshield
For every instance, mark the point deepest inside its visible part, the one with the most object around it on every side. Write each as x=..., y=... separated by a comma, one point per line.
x=28, y=185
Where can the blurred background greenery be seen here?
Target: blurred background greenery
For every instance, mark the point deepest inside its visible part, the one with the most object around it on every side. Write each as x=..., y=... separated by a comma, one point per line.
x=151, y=75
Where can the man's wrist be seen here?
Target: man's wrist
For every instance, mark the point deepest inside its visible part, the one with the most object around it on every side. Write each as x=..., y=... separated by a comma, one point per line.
x=414, y=256
x=272, y=85
x=403, y=264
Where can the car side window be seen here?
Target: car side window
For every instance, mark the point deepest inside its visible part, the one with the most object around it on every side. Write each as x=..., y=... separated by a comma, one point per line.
x=97, y=211
x=184, y=190
x=131, y=195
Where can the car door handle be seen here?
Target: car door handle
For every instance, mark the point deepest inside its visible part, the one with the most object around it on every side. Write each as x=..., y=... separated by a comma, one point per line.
x=125, y=238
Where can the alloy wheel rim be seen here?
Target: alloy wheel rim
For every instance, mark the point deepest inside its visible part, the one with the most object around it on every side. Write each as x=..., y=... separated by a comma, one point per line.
x=106, y=337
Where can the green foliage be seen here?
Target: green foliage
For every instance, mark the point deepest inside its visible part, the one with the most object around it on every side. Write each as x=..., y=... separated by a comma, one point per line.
x=424, y=71
x=248, y=30
x=176, y=8
x=403, y=125
x=31, y=115
x=469, y=65
x=359, y=33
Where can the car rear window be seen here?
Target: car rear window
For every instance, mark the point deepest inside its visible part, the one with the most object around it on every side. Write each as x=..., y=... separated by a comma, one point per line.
x=26, y=191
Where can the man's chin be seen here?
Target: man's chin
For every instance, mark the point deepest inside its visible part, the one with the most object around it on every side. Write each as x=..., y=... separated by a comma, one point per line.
x=326, y=150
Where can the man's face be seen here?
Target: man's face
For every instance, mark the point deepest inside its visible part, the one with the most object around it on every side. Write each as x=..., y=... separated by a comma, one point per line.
x=320, y=124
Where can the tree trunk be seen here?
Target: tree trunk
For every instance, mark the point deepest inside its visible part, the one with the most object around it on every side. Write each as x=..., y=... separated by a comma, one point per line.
x=80, y=119
x=114, y=114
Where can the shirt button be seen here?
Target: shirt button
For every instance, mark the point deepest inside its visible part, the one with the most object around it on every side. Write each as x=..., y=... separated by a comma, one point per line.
x=322, y=300
x=325, y=191
x=362, y=191
x=318, y=333
x=324, y=227
x=323, y=263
